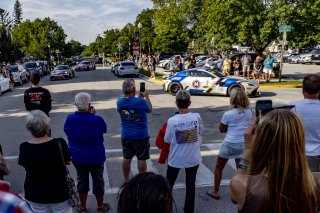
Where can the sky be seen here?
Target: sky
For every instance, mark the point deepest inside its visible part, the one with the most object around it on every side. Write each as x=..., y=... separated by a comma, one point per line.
x=82, y=20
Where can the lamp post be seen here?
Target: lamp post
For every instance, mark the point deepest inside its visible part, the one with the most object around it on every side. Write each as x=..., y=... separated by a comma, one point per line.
x=139, y=27
x=51, y=31
x=49, y=56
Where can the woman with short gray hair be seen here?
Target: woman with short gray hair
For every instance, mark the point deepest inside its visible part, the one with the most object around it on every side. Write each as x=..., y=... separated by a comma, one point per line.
x=45, y=184
x=82, y=101
x=234, y=122
x=184, y=134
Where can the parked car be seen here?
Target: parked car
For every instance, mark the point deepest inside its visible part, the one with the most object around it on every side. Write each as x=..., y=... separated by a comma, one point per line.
x=166, y=62
x=19, y=74
x=200, y=81
x=211, y=62
x=85, y=65
x=126, y=68
x=201, y=58
x=162, y=56
x=287, y=57
x=294, y=59
x=5, y=84
x=32, y=67
x=61, y=72
x=114, y=66
x=44, y=66
x=311, y=57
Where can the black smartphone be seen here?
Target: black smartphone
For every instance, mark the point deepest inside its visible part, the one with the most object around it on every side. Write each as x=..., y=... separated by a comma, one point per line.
x=262, y=107
x=142, y=86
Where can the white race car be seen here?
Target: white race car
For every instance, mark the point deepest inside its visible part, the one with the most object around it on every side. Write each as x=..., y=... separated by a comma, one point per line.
x=200, y=81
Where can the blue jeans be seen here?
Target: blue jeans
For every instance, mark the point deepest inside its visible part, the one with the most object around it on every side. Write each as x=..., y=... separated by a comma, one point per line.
x=191, y=173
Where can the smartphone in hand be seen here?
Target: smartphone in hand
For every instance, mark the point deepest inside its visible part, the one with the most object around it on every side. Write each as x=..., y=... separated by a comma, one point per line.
x=142, y=86
x=262, y=107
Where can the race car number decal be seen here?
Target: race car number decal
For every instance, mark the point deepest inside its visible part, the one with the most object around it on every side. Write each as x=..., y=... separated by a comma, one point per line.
x=196, y=84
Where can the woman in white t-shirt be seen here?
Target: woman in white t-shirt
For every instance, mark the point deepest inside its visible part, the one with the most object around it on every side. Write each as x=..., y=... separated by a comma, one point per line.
x=184, y=134
x=234, y=122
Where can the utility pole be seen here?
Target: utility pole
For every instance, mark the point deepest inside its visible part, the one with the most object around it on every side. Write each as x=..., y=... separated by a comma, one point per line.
x=284, y=29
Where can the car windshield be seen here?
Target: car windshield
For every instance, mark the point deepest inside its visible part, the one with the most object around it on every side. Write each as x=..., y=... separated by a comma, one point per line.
x=216, y=73
x=31, y=65
x=61, y=68
x=315, y=51
x=127, y=64
x=14, y=69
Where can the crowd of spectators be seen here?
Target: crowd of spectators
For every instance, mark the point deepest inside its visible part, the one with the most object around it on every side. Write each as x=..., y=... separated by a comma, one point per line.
x=277, y=158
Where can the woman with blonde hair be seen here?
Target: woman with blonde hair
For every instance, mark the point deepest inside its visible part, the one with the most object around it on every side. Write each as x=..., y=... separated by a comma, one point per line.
x=234, y=122
x=278, y=178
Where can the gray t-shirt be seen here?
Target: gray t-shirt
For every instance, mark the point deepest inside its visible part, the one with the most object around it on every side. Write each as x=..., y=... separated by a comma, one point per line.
x=246, y=60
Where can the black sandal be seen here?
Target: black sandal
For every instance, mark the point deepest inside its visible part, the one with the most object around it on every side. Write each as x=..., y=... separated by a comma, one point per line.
x=82, y=210
x=106, y=207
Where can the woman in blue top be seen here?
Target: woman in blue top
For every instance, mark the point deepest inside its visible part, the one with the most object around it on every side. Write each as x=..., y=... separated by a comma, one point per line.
x=267, y=69
x=85, y=134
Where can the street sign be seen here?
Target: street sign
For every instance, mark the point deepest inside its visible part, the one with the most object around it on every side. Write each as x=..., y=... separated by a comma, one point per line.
x=285, y=28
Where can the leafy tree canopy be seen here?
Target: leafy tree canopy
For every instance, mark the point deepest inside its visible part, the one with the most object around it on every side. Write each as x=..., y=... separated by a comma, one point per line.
x=34, y=37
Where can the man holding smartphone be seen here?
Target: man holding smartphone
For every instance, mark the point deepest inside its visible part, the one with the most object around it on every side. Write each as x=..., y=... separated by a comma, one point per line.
x=134, y=126
x=308, y=110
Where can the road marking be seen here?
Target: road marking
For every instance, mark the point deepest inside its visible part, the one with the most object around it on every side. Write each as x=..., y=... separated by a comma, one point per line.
x=216, y=143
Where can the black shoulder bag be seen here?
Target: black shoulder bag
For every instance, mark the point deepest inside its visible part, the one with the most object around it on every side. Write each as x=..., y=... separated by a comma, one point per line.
x=73, y=195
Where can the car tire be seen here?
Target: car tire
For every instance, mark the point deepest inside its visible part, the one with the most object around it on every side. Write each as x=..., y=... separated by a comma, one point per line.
x=174, y=88
x=11, y=86
x=233, y=87
x=21, y=82
x=0, y=91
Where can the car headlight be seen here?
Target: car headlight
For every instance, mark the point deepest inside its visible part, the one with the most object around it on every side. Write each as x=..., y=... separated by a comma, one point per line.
x=65, y=72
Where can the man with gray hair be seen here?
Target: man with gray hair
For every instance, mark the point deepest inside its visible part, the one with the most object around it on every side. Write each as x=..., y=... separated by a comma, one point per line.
x=85, y=134
x=309, y=111
x=134, y=135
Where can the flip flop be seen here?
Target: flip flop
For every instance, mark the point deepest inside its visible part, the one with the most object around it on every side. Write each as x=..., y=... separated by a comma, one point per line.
x=213, y=196
x=106, y=207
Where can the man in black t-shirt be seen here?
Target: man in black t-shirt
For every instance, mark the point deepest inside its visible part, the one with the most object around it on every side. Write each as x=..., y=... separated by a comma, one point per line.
x=37, y=97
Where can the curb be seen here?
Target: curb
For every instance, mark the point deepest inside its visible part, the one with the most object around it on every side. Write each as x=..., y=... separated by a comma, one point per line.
x=146, y=78
x=280, y=86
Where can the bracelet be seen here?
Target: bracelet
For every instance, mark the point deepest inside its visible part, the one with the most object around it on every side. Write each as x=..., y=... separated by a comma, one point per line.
x=243, y=164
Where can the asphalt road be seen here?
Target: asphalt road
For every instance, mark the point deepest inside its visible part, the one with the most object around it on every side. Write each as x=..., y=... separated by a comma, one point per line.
x=105, y=88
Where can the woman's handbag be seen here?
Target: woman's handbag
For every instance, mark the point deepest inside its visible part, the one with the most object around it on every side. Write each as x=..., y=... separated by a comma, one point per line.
x=73, y=195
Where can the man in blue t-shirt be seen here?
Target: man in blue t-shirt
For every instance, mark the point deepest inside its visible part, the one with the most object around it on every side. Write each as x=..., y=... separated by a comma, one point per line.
x=134, y=135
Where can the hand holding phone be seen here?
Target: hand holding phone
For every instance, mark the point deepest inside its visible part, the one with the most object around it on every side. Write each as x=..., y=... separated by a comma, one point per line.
x=262, y=106
x=142, y=86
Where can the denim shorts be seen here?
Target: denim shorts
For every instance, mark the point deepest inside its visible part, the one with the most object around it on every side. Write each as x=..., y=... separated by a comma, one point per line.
x=63, y=207
x=231, y=150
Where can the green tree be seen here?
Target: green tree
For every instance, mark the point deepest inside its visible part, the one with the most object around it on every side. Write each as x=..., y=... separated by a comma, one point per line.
x=73, y=48
x=146, y=18
x=90, y=50
x=7, y=50
x=34, y=37
x=110, y=38
x=171, y=25
x=255, y=23
x=17, y=13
